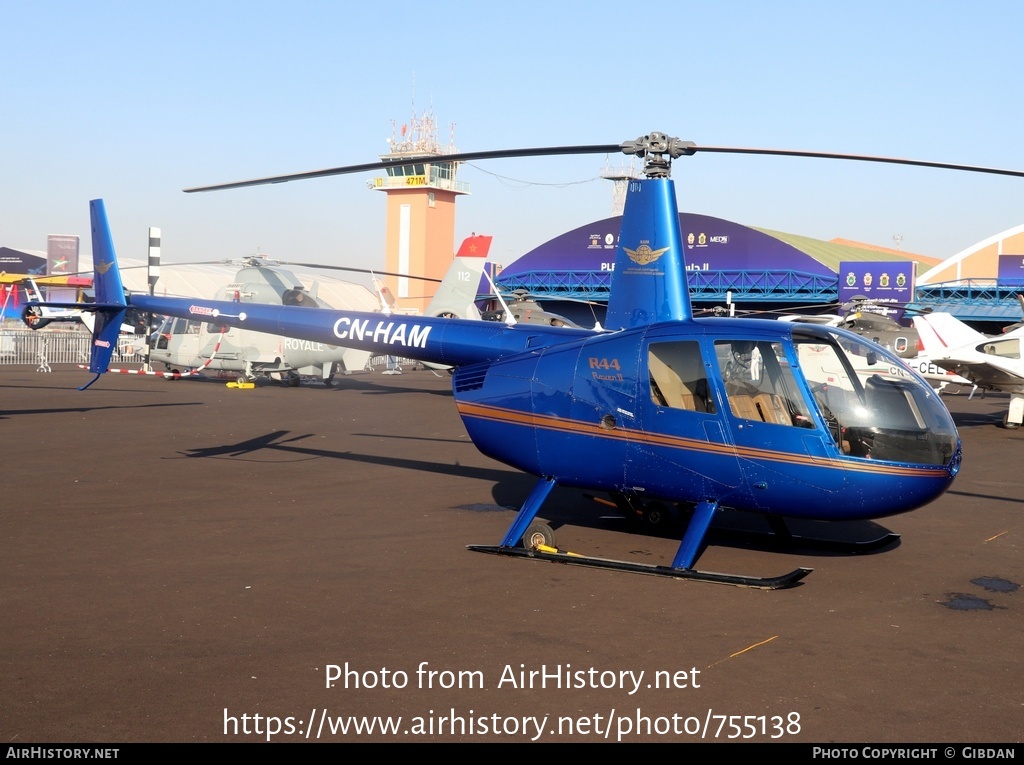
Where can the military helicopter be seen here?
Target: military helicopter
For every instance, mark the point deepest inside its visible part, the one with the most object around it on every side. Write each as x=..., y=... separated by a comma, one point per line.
x=523, y=308
x=182, y=346
x=185, y=345
x=657, y=407
x=870, y=320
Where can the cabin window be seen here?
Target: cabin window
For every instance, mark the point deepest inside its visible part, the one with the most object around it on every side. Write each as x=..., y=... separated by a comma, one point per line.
x=299, y=297
x=759, y=383
x=1008, y=349
x=184, y=327
x=677, y=377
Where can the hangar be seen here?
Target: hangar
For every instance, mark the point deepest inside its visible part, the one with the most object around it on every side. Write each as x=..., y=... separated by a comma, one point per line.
x=13, y=261
x=980, y=283
x=757, y=267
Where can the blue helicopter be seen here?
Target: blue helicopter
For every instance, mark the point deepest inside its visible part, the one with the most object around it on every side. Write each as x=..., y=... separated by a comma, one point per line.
x=658, y=409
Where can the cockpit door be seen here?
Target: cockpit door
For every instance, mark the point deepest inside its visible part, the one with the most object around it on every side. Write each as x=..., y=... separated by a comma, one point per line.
x=781, y=448
x=684, y=451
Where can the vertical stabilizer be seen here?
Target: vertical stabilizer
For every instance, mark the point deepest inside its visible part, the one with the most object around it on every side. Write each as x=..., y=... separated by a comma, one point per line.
x=940, y=333
x=456, y=297
x=649, y=281
x=110, y=303
x=388, y=304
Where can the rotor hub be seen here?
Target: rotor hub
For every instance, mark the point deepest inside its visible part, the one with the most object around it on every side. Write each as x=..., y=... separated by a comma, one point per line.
x=658, y=150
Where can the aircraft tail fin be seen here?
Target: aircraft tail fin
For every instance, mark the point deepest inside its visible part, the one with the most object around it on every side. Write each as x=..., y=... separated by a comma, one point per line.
x=941, y=332
x=456, y=297
x=110, y=306
x=388, y=304
x=649, y=280
x=32, y=291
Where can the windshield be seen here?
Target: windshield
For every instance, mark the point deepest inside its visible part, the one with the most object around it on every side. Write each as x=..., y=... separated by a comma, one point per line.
x=874, y=406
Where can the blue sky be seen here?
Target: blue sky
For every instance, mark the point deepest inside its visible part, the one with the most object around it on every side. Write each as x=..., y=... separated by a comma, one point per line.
x=133, y=101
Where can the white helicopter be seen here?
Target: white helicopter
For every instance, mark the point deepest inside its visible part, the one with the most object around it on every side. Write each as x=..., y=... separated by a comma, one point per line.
x=186, y=347
x=37, y=316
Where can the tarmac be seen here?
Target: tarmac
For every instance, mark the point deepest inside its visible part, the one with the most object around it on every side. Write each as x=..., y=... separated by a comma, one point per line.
x=182, y=561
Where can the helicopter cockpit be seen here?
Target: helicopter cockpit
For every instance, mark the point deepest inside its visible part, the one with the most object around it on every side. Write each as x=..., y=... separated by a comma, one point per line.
x=872, y=404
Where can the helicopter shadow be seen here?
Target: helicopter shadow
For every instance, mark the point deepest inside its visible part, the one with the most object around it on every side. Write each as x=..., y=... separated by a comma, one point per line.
x=287, y=447
x=368, y=386
x=733, y=528
x=6, y=414
x=571, y=507
x=976, y=419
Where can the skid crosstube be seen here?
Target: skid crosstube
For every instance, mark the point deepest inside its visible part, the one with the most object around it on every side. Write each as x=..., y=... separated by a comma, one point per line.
x=572, y=559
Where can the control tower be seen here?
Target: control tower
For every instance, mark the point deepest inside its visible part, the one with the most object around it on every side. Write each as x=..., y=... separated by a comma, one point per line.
x=620, y=176
x=420, y=238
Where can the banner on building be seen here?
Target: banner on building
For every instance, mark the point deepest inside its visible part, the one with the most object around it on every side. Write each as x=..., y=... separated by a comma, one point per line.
x=886, y=284
x=1011, y=269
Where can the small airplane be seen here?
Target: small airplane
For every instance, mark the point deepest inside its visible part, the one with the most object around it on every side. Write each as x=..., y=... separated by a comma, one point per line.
x=884, y=330
x=186, y=346
x=657, y=408
x=990, y=363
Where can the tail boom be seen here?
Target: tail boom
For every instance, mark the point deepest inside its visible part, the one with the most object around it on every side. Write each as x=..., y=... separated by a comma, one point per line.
x=438, y=340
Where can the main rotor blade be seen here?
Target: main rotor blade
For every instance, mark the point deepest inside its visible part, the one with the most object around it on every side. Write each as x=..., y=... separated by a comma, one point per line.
x=857, y=158
x=240, y=263
x=359, y=271
x=628, y=147
x=548, y=151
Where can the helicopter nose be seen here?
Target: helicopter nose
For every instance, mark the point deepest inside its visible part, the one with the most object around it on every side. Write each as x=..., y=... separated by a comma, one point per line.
x=956, y=459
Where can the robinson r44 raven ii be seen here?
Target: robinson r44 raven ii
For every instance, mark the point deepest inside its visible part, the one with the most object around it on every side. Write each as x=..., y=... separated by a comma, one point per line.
x=656, y=408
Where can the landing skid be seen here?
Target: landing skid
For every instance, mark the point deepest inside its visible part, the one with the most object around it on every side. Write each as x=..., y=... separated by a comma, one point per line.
x=572, y=559
x=537, y=542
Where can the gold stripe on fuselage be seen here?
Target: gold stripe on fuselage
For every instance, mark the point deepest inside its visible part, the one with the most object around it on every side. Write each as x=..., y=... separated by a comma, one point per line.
x=564, y=425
